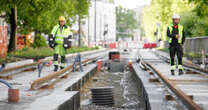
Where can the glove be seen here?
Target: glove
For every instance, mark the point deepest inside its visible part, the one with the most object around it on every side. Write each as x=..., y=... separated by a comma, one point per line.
x=51, y=41
x=67, y=42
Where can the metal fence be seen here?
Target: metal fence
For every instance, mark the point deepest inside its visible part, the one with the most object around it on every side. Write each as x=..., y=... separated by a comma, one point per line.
x=196, y=45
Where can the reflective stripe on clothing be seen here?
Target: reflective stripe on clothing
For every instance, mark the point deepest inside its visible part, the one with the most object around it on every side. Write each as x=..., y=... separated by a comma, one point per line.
x=71, y=40
x=55, y=62
x=63, y=65
x=59, y=64
x=59, y=49
x=173, y=67
x=180, y=32
x=180, y=67
x=60, y=34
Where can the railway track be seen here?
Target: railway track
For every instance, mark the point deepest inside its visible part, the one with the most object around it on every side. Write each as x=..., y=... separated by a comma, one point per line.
x=187, y=64
x=189, y=90
x=49, y=80
x=29, y=80
x=11, y=72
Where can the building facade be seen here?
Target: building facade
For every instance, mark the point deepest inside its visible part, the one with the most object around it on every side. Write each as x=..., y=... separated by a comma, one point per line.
x=100, y=25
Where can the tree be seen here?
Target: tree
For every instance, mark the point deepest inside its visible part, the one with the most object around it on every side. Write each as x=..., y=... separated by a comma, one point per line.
x=11, y=7
x=201, y=8
x=195, y=21
x=39, y=16
x=82, y=7
x=160, y=12
x=24, y=15
x=125, y=22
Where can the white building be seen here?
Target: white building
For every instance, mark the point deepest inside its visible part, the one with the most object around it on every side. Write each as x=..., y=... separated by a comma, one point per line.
x=105, y=20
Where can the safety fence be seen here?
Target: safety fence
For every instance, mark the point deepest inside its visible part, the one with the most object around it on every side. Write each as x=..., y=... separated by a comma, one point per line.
x=196, y=45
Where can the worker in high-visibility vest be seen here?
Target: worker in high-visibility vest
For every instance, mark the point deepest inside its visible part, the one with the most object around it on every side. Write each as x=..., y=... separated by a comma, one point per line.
x=60, y=39
x=176, y=35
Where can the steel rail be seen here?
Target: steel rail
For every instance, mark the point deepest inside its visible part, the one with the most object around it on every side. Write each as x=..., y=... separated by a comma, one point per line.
x=186, y=100
x=51, y=76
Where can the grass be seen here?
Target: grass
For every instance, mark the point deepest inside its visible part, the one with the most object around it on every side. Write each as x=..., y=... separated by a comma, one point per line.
x=42, y=52
x=163, y=49
x=192, y=55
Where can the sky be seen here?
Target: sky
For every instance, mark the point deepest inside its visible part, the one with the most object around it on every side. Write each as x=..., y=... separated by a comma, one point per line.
x=132, y=3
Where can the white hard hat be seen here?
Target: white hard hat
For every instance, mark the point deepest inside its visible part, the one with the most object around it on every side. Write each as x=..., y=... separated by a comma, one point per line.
x=175, y=16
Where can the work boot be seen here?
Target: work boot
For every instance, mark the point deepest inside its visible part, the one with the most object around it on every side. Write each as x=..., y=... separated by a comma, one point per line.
x=180, y=72
x=55, y=68
x=172, y=72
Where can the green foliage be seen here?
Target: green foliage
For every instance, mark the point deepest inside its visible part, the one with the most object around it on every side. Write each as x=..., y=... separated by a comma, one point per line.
x=188, y=21
x=26, y=16
x=201, y=26
x=32, y=52
x=201, y=8
x=192, y=55
x=80, y=49
x=125, y=22
x=194, y=25
x=194, y=16
x=42, y=15
x=195, y=20
x=160, y=12
x=163, y=49
x=45, y=52
x=81, y=6
x=39, y=41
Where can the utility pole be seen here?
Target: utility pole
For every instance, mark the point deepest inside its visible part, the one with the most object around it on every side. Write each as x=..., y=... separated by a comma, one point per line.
x=100, y=33
x=79, y=22
x=95, y=22
x=89, y=30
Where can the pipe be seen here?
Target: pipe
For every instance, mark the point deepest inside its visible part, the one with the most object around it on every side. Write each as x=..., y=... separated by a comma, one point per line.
x=6, y=83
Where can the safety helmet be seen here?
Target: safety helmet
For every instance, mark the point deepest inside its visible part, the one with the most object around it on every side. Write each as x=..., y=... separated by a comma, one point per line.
x=61, y=18
x=175, y=16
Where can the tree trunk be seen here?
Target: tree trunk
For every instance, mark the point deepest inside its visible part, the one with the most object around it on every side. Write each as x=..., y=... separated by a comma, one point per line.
x=13, y=22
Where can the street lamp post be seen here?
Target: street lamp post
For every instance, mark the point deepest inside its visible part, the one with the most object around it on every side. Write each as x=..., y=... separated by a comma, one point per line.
x=79, y=31
x=95, y=22
x=105, y=32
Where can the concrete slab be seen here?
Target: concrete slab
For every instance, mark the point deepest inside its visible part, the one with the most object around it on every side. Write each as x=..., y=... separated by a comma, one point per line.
x=59, y=100
x=154, y=91
x=73, y=78
x=198, y=87
x=30, y=99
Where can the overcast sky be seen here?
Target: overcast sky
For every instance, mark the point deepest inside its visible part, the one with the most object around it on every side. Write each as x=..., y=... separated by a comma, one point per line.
x=132, y=3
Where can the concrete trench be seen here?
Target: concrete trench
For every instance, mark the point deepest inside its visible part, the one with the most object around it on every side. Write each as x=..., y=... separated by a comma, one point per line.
x=129, y=93
x=71, y=88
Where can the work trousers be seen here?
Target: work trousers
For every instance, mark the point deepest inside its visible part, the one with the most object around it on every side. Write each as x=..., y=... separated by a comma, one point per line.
x=176, y=50
x=59, y=51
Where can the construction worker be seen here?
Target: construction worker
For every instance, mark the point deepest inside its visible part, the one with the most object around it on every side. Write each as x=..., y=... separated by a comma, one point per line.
x=60, y=40
x=176, y=35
